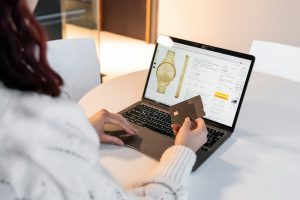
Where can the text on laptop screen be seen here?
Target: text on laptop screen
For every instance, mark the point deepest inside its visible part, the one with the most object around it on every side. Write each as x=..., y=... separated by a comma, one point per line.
x=181, y=72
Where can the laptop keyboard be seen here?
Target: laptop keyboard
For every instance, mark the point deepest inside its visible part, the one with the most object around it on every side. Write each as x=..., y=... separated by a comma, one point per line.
x=160, y=122
x=212, y=137
x=151, y=118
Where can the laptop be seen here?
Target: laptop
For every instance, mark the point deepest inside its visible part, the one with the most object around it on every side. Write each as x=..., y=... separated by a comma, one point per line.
x=179, y=72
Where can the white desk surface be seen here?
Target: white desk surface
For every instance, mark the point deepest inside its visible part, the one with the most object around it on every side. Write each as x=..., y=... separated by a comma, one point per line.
x=260, y=161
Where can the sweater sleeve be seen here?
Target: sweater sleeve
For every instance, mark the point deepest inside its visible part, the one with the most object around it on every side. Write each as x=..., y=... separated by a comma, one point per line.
x=168, y=179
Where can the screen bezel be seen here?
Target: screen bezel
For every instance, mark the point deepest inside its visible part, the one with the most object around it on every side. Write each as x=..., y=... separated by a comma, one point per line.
x=214, y=49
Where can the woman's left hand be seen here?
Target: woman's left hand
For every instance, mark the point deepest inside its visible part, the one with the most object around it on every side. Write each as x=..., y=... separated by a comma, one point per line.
x=103, y=116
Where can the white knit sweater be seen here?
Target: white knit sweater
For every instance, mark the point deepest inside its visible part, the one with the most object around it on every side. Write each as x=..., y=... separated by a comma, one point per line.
x=49, y=151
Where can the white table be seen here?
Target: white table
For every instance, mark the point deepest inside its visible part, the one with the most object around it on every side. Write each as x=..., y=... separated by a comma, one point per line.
x=260, y=161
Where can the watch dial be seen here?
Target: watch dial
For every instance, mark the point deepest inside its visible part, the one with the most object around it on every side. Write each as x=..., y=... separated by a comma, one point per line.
x=165, y=72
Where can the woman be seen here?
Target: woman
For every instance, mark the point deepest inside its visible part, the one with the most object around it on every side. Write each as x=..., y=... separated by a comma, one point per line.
x=48, y=149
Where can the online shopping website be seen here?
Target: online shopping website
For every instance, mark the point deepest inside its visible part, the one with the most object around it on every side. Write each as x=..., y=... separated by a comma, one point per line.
x=182, y=72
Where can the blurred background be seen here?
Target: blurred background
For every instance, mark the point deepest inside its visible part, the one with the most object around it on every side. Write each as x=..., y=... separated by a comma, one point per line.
x=125, y=30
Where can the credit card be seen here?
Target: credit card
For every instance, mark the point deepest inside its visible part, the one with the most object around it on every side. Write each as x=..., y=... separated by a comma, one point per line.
x=192, y=108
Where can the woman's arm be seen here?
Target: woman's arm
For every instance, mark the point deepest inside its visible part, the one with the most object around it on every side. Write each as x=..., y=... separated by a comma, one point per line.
x=23, y=176
x=168, y=179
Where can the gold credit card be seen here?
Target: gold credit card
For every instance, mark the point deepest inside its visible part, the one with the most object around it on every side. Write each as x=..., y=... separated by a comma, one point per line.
x=192, y=108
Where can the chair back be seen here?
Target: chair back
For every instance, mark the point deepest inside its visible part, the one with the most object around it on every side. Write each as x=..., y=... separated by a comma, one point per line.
x=276, y=59
x=77, y=62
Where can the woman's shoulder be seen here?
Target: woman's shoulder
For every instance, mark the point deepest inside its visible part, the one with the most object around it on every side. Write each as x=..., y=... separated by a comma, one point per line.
x=21, y=105
x=33, y=117
x=31, y=101
x=36, y=124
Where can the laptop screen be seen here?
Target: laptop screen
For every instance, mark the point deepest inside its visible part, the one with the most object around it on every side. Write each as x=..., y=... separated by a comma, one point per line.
x=186, y=70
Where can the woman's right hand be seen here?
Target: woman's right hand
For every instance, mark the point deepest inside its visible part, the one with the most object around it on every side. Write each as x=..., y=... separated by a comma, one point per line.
x=103, y=116
x=191, y=137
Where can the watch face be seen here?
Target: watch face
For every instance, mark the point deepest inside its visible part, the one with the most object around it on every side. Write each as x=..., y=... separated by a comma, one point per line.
x=165, y=72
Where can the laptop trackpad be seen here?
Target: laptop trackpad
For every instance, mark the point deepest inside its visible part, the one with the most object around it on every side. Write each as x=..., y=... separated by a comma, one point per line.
x=149, y=142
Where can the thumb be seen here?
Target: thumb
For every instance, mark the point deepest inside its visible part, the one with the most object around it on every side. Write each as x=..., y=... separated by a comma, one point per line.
x=104, y=138
x=187, y=123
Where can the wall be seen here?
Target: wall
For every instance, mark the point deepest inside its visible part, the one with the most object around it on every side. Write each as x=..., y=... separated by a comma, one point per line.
x=124, y=17
x=231, y=24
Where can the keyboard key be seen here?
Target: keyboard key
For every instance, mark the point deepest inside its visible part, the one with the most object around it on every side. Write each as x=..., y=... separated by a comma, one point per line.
x=212, y=137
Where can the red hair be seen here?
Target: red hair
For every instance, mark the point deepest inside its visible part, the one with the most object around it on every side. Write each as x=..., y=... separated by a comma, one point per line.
x=23, y=61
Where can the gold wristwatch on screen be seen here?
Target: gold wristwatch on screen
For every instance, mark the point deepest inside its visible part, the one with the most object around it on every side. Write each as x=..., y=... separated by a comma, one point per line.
x=165, y=72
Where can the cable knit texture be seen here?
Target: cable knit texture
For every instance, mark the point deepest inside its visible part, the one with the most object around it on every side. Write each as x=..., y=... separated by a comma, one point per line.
x=49, y=151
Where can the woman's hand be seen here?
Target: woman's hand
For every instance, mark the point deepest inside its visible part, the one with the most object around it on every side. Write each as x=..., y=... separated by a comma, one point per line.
x=189, y=136
x=103, y=116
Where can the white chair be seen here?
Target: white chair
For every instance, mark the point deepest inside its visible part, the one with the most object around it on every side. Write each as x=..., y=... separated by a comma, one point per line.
x=77, y=62
x=276, y=59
